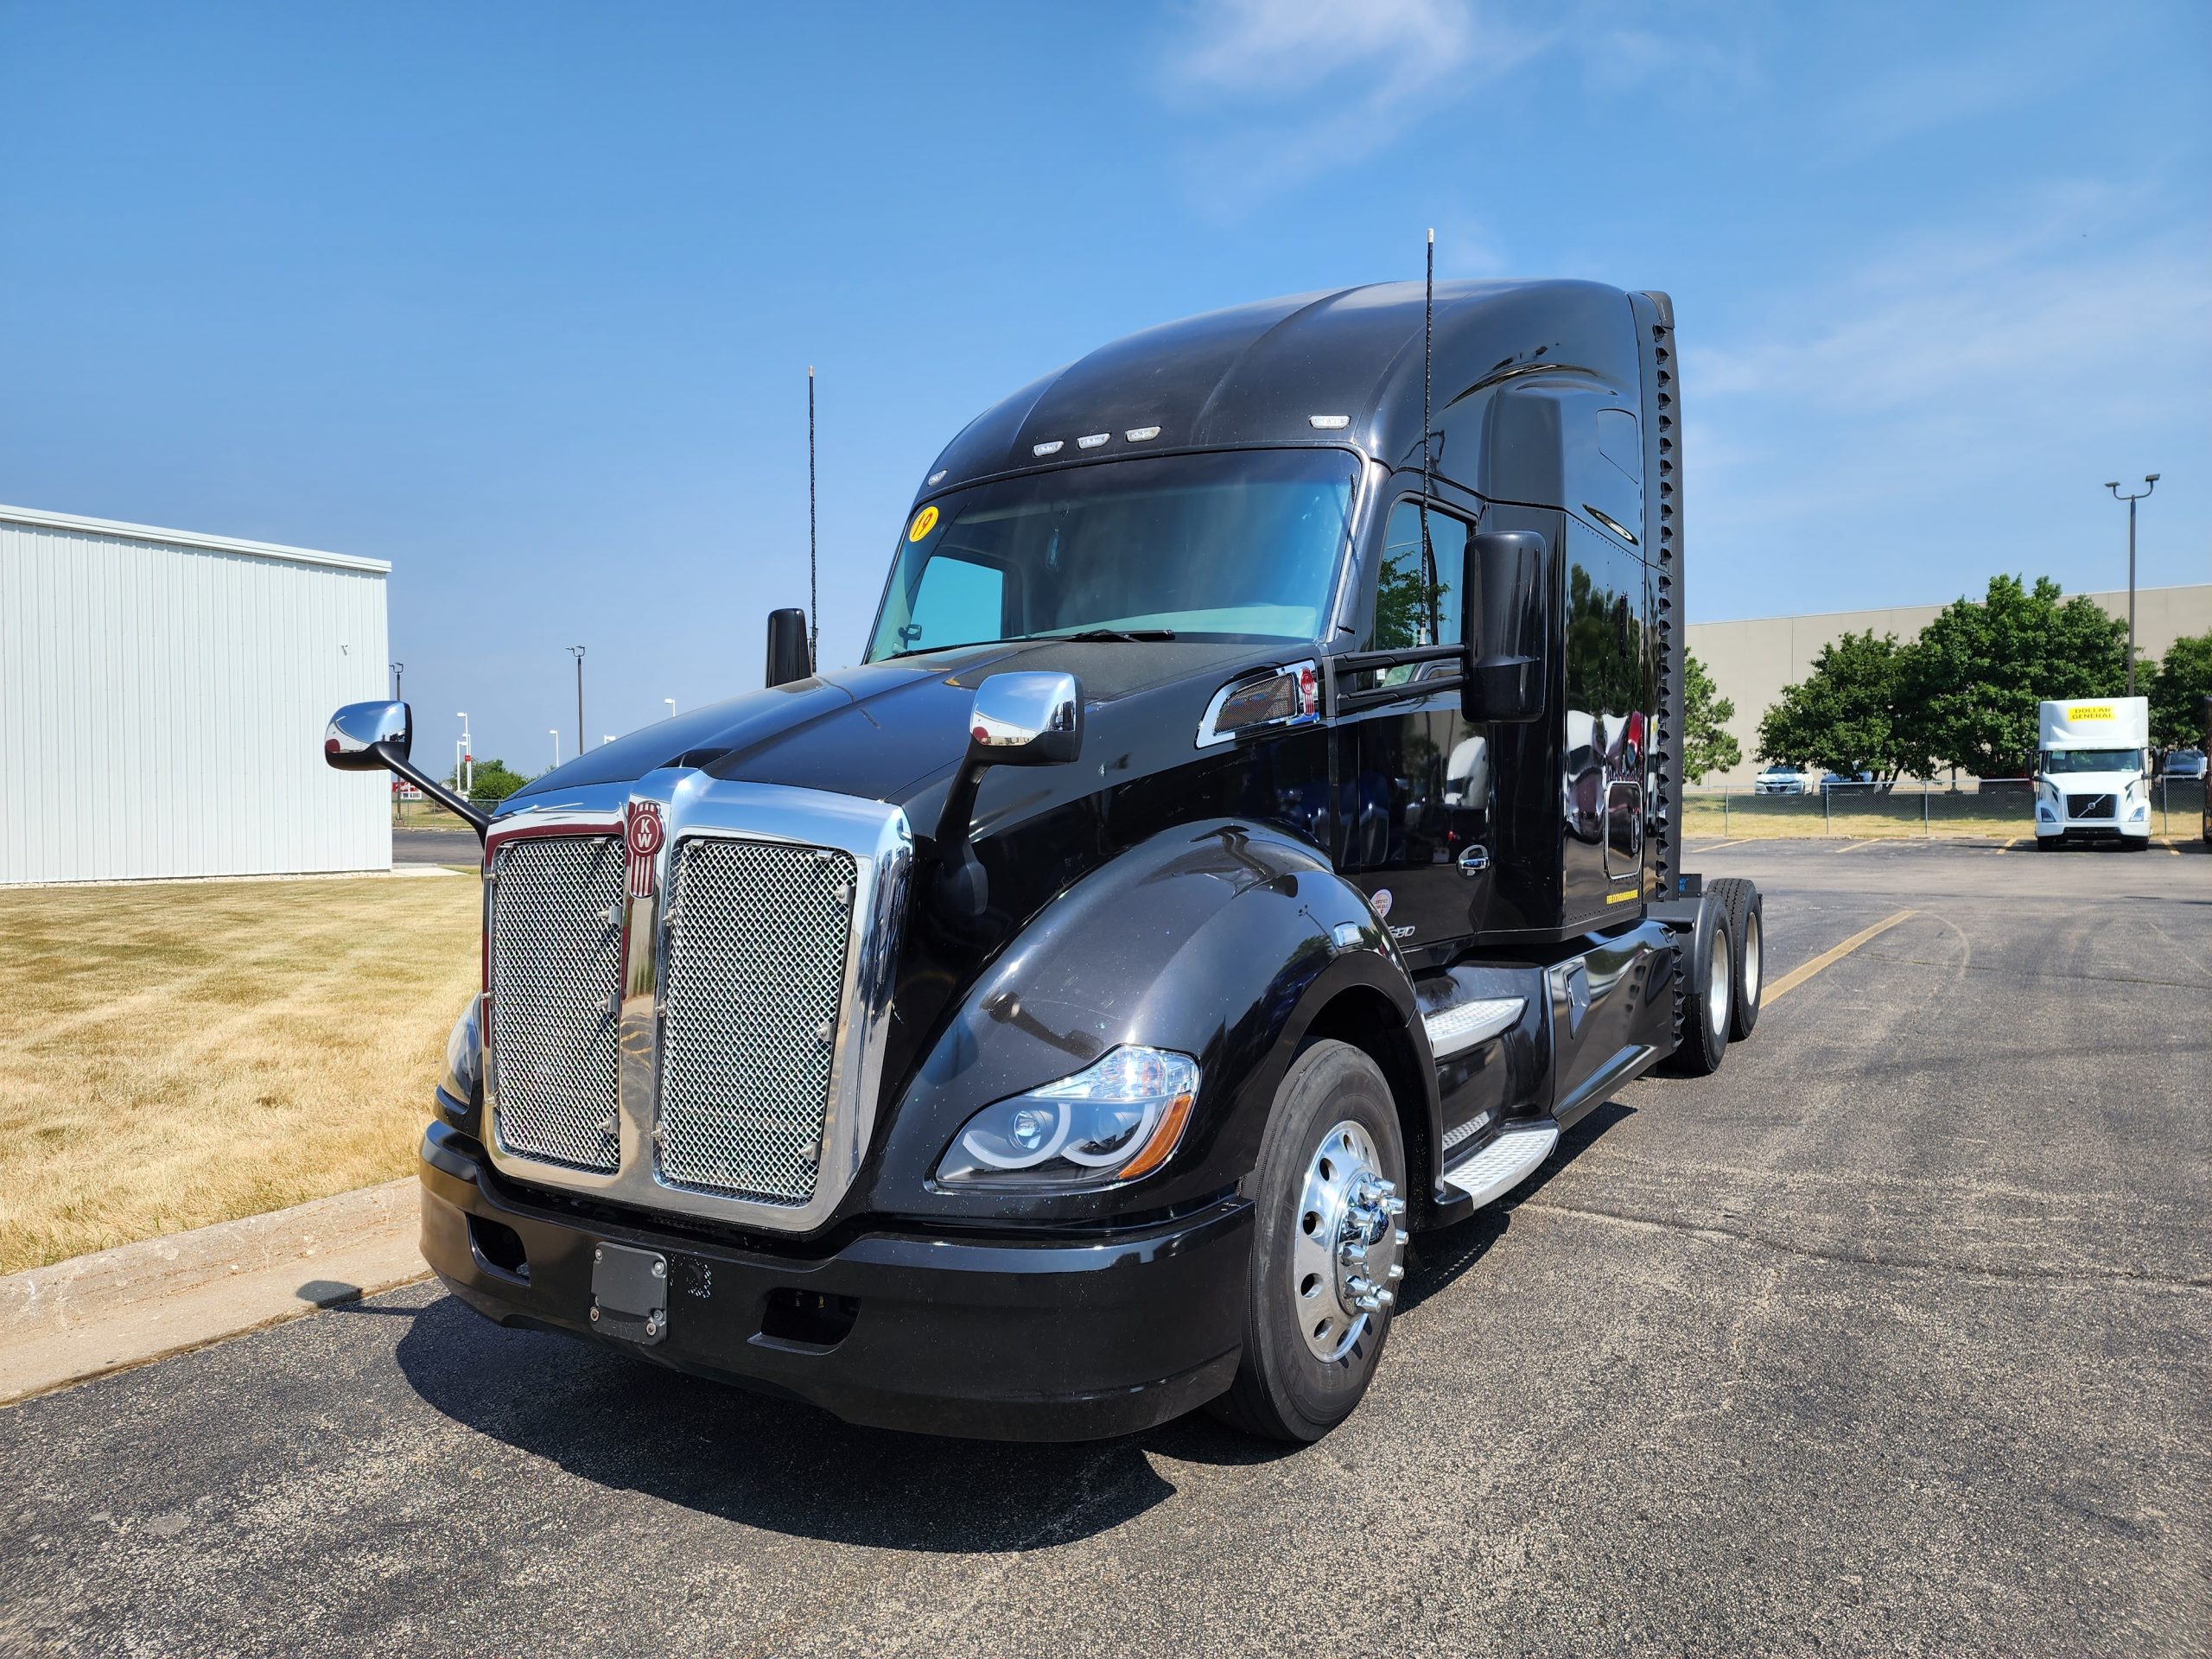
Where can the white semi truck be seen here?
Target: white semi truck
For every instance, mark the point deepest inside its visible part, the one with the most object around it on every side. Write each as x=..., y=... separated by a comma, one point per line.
x=2092, y=770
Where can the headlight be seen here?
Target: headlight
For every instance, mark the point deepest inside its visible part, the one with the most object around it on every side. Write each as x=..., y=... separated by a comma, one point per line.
x=1113, y=1121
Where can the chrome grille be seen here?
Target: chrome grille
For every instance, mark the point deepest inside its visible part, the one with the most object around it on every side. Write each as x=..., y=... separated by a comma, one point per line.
x=2088, y=806
x=751, y=1007
x=556, y=969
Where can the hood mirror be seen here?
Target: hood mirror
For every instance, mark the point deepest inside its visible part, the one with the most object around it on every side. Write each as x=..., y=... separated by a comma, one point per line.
x=1016, y=720
x=375, y=737
x=1026, y=720
x=366, y=736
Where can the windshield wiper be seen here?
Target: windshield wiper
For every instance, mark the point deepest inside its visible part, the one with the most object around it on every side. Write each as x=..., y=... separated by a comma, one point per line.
x=1128, y=634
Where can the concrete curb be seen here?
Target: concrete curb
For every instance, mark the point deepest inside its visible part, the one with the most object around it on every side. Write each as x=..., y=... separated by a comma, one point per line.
x=93, y=1314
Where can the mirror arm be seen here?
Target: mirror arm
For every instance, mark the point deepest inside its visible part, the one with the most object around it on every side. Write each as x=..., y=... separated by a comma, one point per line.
x=401, y=766
x=964, y=888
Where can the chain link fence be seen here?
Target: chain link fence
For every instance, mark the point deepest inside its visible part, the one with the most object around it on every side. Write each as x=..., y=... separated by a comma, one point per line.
x=1992, y=807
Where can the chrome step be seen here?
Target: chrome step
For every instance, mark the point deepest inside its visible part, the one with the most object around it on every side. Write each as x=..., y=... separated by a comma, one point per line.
x=1461, y=1025
x=1503, y=1164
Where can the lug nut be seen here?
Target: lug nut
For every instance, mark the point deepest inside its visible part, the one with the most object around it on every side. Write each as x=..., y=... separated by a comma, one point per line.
x=1393, y=1207
x=1402, y=1238
x=1396, y=1272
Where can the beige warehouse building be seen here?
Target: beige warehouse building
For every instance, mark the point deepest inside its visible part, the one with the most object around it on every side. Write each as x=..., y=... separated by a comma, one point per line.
x=1751, y=661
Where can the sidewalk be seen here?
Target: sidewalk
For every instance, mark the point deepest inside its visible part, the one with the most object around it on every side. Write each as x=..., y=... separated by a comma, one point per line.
x=92, y=1314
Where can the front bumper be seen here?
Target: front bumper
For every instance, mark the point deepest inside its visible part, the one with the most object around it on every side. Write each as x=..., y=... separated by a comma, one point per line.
x=994, y=1338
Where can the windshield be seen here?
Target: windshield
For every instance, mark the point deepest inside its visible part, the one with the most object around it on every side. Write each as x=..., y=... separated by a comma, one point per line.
x=2056, y=760
x=1234, y=547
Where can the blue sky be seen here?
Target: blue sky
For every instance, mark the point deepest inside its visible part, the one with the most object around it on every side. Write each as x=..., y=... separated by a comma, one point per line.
x=521, y=297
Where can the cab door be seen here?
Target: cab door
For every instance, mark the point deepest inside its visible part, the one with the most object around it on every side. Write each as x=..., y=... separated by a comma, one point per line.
x=1416, y=796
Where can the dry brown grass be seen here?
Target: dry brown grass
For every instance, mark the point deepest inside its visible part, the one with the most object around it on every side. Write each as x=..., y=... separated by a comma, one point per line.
x=180, y=1053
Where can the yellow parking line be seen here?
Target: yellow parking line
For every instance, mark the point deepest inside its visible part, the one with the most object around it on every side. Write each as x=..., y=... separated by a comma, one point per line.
x=1718, y=845
x=1796, y=976
x=1854, y=846
x=2171, y=847
x=2008, y=847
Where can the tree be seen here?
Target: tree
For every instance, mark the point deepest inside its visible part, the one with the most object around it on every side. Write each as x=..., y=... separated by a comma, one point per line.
x=494, y=781
x=1707, y=744
x=1844, y=716
x=2176, y=691
x=1971, y=683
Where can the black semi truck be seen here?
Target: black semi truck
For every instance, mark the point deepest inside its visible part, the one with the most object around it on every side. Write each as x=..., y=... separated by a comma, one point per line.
x=1252, y=836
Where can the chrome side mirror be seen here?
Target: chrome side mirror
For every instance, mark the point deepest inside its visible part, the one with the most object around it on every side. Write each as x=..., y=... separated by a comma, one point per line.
x=375, y=737
x=1027, y=720
x=366, y=736
x=1016, y=720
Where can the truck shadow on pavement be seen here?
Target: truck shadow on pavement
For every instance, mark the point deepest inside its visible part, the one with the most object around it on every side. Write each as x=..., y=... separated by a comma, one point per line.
x=627, y=1425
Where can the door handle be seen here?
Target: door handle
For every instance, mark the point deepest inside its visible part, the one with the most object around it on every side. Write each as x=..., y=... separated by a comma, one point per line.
x=1474, y=860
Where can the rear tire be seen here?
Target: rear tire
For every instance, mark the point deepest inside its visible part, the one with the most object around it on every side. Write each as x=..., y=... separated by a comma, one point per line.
x=1747, y=935
x=1708, y=1011
x=1331, y=1166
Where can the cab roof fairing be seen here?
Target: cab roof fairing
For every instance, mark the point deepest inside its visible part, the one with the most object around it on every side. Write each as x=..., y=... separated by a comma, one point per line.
x=1255, y=375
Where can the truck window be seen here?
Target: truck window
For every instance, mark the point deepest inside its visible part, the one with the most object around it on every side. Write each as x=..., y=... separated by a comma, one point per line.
x=1242, y=545
x=1416, y=605
x=958, y=603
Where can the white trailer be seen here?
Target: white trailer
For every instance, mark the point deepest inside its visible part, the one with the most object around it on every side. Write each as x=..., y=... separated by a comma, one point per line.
x=2093, y=768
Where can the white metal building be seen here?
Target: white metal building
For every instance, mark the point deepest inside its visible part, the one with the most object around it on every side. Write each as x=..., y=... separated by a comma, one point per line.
x=162, y=701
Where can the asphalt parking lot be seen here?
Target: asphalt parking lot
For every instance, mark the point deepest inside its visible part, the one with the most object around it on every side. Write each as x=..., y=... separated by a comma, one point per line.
x=1894, y=1338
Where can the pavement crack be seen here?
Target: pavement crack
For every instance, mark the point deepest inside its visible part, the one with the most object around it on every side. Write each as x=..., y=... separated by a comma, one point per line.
x=1869, y=1259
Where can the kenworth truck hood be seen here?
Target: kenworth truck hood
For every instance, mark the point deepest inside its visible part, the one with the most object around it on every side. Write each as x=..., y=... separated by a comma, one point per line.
x=897, y=731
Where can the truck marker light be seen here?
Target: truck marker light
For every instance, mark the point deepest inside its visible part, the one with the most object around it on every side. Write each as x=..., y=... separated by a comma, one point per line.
x=1141, y=434
x=1052, y=449
x=1092, y=440
x=1328, y=423
x=937, y=477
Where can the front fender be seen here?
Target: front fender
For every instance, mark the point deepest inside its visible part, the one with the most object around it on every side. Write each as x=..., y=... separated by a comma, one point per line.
x=1220, y=940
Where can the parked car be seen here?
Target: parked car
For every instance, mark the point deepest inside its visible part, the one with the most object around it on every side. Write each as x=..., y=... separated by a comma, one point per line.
x=2184, y=763
x=1779, y=780
x=1846, y=780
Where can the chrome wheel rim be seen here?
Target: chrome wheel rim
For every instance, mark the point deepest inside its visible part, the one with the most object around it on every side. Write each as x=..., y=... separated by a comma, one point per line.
x=1346, y=1244
x=1751, y=959
x=1716, y=987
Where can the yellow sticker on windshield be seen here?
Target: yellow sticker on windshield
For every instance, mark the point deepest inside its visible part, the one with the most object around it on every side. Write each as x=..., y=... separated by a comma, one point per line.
x=924, y=522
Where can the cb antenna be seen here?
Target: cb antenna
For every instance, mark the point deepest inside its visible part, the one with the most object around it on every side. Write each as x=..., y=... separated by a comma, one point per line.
x=813, y=588
x=1428, y=470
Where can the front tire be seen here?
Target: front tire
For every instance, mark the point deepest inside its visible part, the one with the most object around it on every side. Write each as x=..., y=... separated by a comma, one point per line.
x=1327, y=1248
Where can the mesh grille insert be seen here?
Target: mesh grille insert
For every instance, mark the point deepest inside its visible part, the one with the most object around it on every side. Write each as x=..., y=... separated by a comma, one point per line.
x=2088, y=806
x=750, y=1014
x=557, y=968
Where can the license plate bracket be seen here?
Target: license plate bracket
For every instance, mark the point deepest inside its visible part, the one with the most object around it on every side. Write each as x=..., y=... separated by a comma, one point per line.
x=629, y=1294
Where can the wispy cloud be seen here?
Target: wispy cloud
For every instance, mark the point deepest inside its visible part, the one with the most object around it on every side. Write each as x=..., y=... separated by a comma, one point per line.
x=1295, y=86
x=1959, y=391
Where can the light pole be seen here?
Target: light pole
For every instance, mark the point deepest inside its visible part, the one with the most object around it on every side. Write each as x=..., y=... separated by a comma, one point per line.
x=398, y=679
x=553, y=731
x=577, y=652
x=2150, y=483
x=464, y=764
